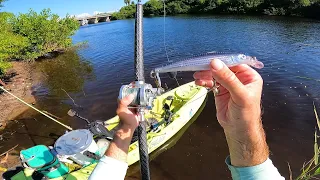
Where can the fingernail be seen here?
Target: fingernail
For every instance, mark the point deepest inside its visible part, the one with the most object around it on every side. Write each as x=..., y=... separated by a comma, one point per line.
x=216, y=64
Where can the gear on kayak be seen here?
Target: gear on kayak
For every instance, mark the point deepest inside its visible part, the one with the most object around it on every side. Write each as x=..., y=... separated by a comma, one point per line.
x=171, y=111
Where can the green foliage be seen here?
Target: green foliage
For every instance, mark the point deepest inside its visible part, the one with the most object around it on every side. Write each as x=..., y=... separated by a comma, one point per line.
x=32, y=35
x=11, y=44
x=153, y=7
x=177, y=7
x=304, y=2
x=125, y=12
x=308, y=8
x=127, y=2
x=312, y=168
x=4, y=65
x=45, y=31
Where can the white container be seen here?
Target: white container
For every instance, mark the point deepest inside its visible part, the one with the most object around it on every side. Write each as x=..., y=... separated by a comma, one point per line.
x=74, y=143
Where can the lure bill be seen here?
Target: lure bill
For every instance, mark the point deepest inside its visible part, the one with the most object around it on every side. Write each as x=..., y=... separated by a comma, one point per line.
x=201, y=63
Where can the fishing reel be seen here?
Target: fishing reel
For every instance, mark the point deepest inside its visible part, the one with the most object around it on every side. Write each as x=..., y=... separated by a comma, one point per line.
x=144, y=94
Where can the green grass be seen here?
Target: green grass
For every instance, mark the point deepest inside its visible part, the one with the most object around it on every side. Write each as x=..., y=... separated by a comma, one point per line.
x=312, y=168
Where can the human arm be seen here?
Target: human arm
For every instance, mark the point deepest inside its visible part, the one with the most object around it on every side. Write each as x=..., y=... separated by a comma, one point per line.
x=114, y=163
x=239, y=112
x=129, y=121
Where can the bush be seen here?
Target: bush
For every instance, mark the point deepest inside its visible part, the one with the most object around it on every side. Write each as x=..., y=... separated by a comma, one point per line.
x=4, y=66
x=125, y=12
x=306, y=8
x=11, y=45
x=153, y=7
x=32, y=35
x=45, y=32
x=177, y=7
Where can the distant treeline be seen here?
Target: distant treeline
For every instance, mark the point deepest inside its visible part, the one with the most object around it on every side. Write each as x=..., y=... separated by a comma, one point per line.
x=303, y=8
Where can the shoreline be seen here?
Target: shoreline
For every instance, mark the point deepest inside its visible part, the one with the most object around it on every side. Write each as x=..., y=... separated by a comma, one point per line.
x=19, y=81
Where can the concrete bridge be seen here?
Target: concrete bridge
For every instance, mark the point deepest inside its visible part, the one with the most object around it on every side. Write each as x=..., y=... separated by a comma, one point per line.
x=94, y=19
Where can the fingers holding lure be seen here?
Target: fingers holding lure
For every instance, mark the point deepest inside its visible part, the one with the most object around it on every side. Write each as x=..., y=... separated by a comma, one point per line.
x=202, y=64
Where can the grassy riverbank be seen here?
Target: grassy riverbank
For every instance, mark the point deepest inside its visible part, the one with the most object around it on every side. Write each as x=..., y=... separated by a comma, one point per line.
x=302, y=8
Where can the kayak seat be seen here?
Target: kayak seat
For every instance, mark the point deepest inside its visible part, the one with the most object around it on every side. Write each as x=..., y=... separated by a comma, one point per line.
x=186, y=93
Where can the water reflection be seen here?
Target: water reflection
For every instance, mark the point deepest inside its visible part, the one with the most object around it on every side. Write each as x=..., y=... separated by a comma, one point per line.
x=68, y=72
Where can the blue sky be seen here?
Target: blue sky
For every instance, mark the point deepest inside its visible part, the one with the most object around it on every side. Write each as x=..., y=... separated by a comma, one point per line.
x=62, y=7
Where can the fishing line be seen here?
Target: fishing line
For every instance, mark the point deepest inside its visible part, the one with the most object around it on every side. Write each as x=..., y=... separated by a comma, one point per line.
x=46, y=115
x=175, y=78
x=164, y=30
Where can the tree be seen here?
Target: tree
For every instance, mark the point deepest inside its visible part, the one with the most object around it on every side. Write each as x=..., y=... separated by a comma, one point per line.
x=153, y=7
x=178, y=7
x=1, y=1
x=11, y=44
x=127, y=2
x=304, y=2
x=45, y=31
x=125, y=12
x=308, y=8
x=32, y=35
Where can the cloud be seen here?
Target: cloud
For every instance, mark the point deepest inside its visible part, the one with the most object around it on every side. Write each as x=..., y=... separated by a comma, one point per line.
x=97, y=12
x=82, y=15
x=94, y=13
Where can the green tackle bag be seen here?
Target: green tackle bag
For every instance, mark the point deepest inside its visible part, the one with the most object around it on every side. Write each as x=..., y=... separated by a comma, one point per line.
x=43, y=161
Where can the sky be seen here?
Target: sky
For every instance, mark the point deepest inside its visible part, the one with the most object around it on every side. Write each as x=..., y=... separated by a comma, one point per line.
x=63, y=7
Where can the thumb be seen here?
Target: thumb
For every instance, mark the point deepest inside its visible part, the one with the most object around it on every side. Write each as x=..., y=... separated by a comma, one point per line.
x=126, y=101
x=224, y=76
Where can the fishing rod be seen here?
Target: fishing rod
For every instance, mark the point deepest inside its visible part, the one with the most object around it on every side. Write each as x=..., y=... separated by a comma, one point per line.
x=144, y=93
x=139, y=71
x=41, y=112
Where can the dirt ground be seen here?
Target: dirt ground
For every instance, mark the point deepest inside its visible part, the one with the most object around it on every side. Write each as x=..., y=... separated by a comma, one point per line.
x=18, y=81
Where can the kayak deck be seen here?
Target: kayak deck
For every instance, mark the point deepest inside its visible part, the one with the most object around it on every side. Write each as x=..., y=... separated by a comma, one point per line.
x=187, y=99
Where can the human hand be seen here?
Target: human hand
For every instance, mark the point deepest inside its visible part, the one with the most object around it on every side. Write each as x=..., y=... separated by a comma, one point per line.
x=238, y=110
x=128, y=118
x=238, y=101
x=129, y=121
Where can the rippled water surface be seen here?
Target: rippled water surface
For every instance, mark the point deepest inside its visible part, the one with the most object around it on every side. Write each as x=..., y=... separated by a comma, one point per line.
x=92, y=76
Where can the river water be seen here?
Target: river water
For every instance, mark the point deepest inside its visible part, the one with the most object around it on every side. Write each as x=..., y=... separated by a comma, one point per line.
x=92, y=76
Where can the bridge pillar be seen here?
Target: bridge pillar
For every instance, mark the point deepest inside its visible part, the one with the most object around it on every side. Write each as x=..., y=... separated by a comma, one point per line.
x=103, y=19
x=93, y=21
x=83, y=22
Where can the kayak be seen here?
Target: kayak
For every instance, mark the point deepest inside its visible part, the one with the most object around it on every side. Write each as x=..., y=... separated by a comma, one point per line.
x=187, y=100
x=170, y=114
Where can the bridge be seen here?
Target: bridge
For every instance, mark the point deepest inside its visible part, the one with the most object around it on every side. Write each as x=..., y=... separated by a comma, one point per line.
x=94, y=19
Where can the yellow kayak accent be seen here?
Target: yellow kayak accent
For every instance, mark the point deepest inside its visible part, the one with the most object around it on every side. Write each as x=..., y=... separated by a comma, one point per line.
x=187, y=99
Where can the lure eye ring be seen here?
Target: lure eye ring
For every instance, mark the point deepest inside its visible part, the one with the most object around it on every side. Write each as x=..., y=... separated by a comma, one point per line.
x=153, y=74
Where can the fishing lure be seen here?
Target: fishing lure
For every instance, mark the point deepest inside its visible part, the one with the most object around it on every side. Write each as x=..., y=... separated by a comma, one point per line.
x=202, y=62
